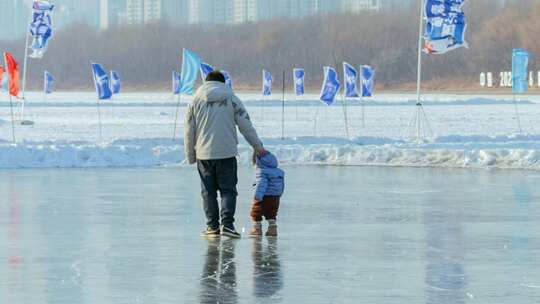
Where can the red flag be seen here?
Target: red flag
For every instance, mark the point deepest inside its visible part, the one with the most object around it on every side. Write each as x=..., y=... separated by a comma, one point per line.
x=12, y=68
x=1, y=72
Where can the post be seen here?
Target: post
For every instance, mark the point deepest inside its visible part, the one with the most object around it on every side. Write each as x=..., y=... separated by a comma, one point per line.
x=12, y=118
x=99, y=120
x=176, y=116
x=344, y=104
x=517, y=114
x=25, y=68
x=283, y=109
x=315, y=121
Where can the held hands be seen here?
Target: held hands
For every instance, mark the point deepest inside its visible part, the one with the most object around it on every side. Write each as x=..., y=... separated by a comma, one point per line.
x=261, y=151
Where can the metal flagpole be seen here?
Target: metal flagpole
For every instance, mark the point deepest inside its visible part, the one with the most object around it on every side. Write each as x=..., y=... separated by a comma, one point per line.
x=344, y=104
x=25, y=68
x=99, y=120
x=176, y=116
x=315, y=121
x=12, y=118
x=283, y=109
x=517, y=114
x=419, y=107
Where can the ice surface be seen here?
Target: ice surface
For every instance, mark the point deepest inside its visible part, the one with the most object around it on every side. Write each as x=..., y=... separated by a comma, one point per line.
x=470, y=131
x=347, y=235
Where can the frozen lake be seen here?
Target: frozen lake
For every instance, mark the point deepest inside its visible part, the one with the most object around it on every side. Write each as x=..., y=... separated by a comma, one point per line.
x=348, y=235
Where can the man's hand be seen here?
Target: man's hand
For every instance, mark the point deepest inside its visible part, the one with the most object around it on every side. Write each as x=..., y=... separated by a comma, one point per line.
x=261, y=151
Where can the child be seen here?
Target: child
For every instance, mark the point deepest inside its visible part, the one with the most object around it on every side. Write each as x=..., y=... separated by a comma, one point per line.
x=269, y=188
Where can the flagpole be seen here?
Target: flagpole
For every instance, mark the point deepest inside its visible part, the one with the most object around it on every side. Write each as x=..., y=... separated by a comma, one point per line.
x=176, y=116
x=99, y=120
x=517, y=114
x=283, y=109
x=25, y=68
x=12, y=118
x=344, y=104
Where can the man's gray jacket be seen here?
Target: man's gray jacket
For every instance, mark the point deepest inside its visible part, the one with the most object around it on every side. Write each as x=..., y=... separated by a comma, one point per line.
x=210, y=125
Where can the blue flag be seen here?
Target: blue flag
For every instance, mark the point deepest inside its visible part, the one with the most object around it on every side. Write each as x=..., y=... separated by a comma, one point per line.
x=367, y=74
x=191, y=64
x=445, y=26
x=351, y=77
x=330, y=86
x=267, y=83
x=116, y=83
x=520, y=73
x=40, y=27
x=299, y=78
x=176, y=82
x=205, y=70
x=228, y=79
x=101, y=80
x=48, y=81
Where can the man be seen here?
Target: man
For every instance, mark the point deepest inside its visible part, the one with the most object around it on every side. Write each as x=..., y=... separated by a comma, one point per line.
x=211, y=141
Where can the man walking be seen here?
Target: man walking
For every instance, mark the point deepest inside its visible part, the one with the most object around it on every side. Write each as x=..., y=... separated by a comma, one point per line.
x=211, y=141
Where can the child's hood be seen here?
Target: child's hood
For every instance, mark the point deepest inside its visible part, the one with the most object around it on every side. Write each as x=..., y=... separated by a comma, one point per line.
x=267, y=161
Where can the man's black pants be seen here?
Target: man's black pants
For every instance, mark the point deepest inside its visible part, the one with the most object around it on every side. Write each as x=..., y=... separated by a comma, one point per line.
x=219, y=175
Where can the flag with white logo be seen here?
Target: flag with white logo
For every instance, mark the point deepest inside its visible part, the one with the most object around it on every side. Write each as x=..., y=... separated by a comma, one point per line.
x=330, y=86
x=267, y=83
x=445, y=26
x=351, y=76
x=41, y=27
x=367, y=74
x=116, y=82
x=101, y=80
x=299, y=78
x=48, y=81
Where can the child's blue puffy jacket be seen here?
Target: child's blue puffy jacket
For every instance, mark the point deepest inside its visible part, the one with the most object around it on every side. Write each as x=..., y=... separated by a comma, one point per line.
x=270, y=179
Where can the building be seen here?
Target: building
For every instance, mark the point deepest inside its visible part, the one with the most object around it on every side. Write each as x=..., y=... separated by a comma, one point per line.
x=142, y=11
x=212, y=11
x=14, y=19
x=245, y=11
x=355, y=6
x=175, y=11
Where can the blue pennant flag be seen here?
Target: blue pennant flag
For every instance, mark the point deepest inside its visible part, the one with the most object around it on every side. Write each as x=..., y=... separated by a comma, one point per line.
x=351, y=77
x=48, y=81
x=228, y=79
x=330, y=86
x=41, y=27
x=367, y=74
x=116, y=82
x=267, y=83
x=176, y=82
x=205, y=70
x=299, y=78
x=445, y=26
x=520, y=73
x=191, y=64
x=101, y=81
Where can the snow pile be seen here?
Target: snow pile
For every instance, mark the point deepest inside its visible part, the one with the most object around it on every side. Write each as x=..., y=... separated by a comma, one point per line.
x=515, y=152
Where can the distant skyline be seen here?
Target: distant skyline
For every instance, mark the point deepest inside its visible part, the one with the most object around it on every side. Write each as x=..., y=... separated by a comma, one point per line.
x=103, y=14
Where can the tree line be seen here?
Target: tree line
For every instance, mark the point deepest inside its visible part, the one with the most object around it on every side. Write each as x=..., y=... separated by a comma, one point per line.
x=145, y=55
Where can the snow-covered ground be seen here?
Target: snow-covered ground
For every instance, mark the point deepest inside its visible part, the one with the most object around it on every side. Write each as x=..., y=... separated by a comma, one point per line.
x=469, y=131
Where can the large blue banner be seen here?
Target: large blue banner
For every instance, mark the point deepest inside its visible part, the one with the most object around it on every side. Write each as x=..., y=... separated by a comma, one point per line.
x=299, y=79
x=520, y=73
x=367, y=74
x=445, y=26
x=330, y=86
x=191, y=64
x=101, y=80
x=267, y=83
x=350, y=75
x=40, y=27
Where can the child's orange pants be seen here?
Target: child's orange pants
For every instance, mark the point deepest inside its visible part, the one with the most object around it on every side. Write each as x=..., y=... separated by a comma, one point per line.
x=268, y=208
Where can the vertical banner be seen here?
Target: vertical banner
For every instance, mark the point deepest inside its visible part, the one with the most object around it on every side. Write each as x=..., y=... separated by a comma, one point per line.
x=228, y=79
x=267, y=83
x=12, y=68
x=445, y=26
x=116, y=82
x=101, y=81
x=350, y=75
x=330, y=87
x=205, y=70
x=40, y=27
x=48, y=81
x=520, y=73
x=191, y=64
x=367, y=74
x=299, y=82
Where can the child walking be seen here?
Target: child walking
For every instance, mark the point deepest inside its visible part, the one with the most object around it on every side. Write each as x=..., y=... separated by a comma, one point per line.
x=269, y=186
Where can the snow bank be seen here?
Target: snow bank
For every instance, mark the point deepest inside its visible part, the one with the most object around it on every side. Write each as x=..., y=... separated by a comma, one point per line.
x=513, y=152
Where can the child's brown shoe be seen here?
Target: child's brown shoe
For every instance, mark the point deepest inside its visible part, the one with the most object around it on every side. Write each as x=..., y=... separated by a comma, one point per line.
x=256, y=231
x=272, y=230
